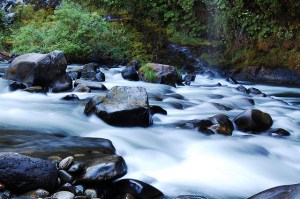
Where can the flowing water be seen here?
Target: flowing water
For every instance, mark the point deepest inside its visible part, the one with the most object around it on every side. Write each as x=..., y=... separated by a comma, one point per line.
x=174, y=160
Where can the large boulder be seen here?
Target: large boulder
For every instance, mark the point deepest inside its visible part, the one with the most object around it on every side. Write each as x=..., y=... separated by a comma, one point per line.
x=282, y=192
x=122, y=106
x=253, y=120
x=45, y=70
x=20, y=173
x=162, y=74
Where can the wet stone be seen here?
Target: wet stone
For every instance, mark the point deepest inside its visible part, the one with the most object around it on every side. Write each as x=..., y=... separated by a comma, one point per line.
x=242, y=89
x=253, y=120
x=107, y=168
x=32, y=173
x=280, y=132
x=63, y=195
x=64, y=176
x=2, y=187
x=76, y=167
x=90, y=193
x=66, y=162
x=41, y=193
x=79, y=190
x=71, y=97
x=68, y=187
x=137, y=189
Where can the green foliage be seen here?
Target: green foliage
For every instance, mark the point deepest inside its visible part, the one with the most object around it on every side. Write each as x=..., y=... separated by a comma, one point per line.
x=148, y=73
x=77, y=32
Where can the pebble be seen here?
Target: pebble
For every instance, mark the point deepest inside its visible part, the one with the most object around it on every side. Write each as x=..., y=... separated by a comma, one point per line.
x=90, y=193
x=65, y=163
x=64, y=176
x=41, y=193
x=2, y=186
x=63, y=195
x=76, y=167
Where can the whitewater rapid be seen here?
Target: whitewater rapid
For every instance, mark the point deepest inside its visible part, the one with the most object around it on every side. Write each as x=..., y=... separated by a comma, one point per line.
x=174, y=160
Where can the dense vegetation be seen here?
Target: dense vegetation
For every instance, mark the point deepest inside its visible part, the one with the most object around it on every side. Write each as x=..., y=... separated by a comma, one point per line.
x=257, y=32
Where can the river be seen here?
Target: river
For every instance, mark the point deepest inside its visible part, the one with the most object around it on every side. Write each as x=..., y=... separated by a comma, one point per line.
x=174, y=160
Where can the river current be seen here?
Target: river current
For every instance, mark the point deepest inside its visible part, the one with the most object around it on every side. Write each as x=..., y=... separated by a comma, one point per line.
x=175, y=160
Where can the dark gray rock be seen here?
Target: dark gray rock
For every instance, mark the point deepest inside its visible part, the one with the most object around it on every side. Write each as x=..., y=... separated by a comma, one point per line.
x=260, y=74
x=190, y=197
x=91, y=85
x=45, y=70
x=71, y=97
x=68, y=187
x=82, y=88
x=106, y=168
x=100, y=77
x=254, y=91
x=242, y=89
x=188, y=78
x=61, y=84
x=64, y=176
x=231, y=80
x=281, y=192
x=13, y=85
x=137, y=189
x=76, y=167
x=158, y=110
x=22, y=173
x=129, y=73
x=222, y=124
x=122, y=106
x=89, y=71
x=253, y=120
x=279, y=131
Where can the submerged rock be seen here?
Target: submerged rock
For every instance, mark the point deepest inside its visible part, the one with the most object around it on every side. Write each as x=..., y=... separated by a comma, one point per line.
x=122, y=106
x=22, y=173
x=281, y=192
x=253, y=120
x=82, y=88
x=280, y=132
x=45, y=70
x=71, y=97
x=91, y=85
x=231, y=80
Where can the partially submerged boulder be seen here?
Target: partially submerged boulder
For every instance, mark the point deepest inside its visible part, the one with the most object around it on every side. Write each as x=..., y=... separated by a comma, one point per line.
x=129, y=73
x=159, y=73
x=253, y=120
x=282, y=192
x=45, y=70
x=122, y=106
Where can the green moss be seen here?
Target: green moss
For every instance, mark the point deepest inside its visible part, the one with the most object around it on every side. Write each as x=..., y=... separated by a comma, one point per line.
x=182, y=39
x=148, y=73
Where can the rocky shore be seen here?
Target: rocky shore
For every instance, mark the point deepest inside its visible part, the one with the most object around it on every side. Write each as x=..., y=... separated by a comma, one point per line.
x=59, y=166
